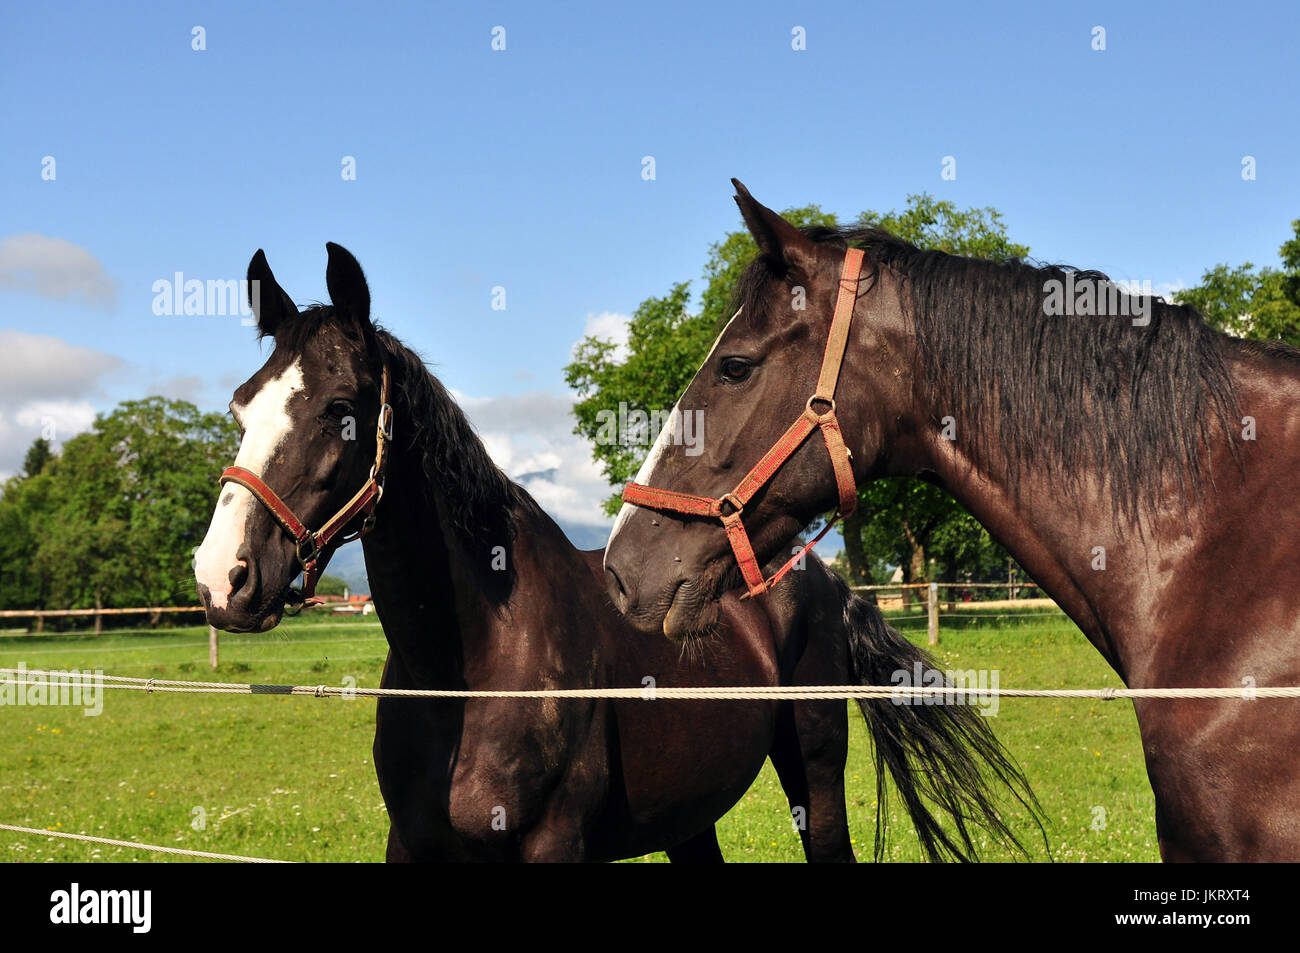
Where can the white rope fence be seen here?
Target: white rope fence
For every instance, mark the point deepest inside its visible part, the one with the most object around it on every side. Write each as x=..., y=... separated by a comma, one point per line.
x=206, y=855
x=55, y=680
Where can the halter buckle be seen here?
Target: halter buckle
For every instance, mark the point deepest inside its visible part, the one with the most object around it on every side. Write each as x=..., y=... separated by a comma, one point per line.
x=313, y=555
x=385, y=426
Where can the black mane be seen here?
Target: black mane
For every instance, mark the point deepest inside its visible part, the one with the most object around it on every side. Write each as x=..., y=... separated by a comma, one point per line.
x=1067, y=392
x=483, y=501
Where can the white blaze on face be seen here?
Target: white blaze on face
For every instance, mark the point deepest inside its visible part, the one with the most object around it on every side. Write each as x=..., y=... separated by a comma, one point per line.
x=266, y=423
x=645, y=476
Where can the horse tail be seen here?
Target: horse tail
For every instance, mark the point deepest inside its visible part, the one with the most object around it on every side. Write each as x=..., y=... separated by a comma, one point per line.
x=943, y=755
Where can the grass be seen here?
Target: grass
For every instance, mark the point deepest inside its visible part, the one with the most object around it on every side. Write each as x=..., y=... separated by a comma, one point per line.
x=291, y=777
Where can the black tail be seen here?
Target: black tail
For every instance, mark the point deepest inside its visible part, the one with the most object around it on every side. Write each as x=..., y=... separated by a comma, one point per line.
x=934, y=753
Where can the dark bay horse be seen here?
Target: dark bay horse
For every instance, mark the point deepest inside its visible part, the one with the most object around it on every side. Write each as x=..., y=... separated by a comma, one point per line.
x=1139, y=464
x=478, y=589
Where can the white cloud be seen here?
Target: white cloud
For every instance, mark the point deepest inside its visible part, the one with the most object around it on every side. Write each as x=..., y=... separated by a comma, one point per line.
x=180, y=387
x=530, y=436
x=43, y=392
x=54, y=268
x=609, y=326
x=37, y=365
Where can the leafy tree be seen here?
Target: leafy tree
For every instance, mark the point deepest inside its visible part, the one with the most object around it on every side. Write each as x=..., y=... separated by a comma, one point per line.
x=114, y=519
x=24, y=509
x=329, y=585
x=38, y=454
x=666, y=345
x=1247, y=302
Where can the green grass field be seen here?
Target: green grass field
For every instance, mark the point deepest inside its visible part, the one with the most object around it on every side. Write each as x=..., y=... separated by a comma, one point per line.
x=291, y=777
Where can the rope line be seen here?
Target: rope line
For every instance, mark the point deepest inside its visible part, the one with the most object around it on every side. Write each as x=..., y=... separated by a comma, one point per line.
x=752, y=692
x=208, y=855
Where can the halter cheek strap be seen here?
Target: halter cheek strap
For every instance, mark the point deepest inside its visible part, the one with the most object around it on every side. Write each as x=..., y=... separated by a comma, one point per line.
x=729, y=507
x=313, y=549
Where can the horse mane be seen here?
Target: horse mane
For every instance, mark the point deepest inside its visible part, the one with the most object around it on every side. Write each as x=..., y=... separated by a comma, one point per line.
x=482, y=503
x=1068, y=392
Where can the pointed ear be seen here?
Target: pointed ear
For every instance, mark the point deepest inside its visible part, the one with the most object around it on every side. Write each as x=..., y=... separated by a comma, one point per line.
x=347, y=286
x=779, y=241
x=265, y=296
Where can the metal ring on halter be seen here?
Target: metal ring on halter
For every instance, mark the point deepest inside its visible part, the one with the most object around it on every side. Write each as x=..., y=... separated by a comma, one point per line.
x=825, y=400
x=733, y=500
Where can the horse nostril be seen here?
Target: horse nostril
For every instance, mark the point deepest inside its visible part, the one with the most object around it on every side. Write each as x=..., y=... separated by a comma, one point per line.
x=614, y=586
x=238, y=576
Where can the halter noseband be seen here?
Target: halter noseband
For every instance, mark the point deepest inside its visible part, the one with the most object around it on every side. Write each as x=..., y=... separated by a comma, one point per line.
x=810, y=420
x=310, y=547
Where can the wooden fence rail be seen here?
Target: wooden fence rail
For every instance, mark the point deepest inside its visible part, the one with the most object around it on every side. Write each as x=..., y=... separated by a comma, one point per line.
x=932, y=596
x=40, y=615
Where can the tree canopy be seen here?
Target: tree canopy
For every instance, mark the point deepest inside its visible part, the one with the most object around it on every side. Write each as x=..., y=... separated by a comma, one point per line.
x=1253, y=302
x=113, y=520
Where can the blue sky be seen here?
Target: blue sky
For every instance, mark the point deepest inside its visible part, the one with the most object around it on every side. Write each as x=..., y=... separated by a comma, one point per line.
x=522, y=168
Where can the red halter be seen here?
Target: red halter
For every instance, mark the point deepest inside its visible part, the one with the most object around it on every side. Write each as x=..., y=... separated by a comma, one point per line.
x=312, y=546
x=790, y=441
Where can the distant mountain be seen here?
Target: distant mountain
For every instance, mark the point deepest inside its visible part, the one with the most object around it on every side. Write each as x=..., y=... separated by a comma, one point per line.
x=526, y=478
x=586, y=537
x=349, y=564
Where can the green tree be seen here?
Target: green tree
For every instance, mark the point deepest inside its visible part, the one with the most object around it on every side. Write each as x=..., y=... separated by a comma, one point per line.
x=24, y=516
x=114, y=520
x=666, y=345
x=329, y=585
x=1248, y=302
x=38, y=454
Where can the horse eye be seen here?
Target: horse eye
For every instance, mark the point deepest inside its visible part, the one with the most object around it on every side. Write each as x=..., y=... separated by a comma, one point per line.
x=736, y=369
x=339, y=409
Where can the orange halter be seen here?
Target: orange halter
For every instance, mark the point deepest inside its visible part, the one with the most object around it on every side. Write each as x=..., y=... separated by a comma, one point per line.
x=774, y=459
x=322, y=541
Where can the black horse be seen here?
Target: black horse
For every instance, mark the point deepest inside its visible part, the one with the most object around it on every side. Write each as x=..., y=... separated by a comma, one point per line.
x=1140, y=464
x=478, y=589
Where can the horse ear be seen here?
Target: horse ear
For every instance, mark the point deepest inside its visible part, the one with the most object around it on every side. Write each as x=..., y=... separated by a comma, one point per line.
x=265, y=296
x=779, y=241
x=347, y=286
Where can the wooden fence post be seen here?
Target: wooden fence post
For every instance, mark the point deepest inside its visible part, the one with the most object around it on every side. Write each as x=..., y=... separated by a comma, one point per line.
x=933, y=606
x=212, y=646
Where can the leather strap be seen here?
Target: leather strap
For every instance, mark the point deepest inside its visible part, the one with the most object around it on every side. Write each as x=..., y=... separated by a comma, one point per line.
x=321, y=543
x=841, y=458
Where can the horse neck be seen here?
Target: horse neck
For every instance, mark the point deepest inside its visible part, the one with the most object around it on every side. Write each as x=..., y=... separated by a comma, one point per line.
x=1057, y=528
x=429, y=585
x=1055, y=536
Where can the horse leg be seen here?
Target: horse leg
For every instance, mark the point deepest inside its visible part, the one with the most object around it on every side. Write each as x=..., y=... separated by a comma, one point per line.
x=701, y=849
x=809, y=752
x=396, y=854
